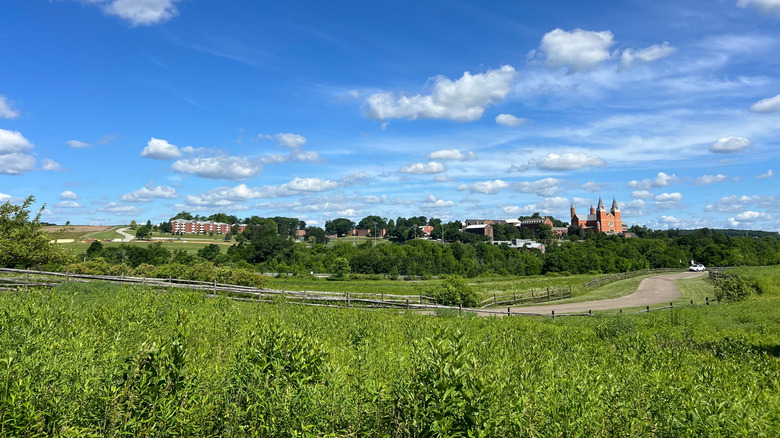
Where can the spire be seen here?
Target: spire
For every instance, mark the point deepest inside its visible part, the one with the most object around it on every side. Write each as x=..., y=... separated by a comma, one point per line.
x=615, y=205
x=601, y=205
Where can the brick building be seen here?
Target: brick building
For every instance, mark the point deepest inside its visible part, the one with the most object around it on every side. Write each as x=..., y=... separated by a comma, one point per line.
x=183, y=226
x=599, y=220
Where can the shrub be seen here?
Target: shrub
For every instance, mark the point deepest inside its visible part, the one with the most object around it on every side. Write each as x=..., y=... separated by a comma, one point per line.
x=732, y=288
x=454, y=291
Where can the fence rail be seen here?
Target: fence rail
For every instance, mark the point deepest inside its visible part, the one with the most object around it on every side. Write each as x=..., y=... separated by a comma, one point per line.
x=532, y=296
x=601, y=281
x=18, y=279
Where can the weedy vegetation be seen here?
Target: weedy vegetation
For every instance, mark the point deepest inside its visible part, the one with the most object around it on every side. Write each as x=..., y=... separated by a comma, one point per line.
x=92, y=359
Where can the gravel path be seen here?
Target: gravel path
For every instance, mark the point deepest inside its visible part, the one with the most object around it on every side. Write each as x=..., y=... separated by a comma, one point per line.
x=651, y=291
x=128, y=237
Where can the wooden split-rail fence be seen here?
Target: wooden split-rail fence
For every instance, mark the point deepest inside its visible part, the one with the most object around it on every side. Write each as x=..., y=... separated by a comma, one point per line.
x=25, y=279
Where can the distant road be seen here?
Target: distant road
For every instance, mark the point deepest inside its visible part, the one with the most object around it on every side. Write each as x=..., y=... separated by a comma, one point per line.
x=127, y=237
x=659, y=289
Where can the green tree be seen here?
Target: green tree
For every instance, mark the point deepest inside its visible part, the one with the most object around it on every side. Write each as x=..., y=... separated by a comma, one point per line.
x=341, y=268
x=209, y=252
x=143, y=232
x=133, y=224
x=23, y=241
x=340, y=226
x=316, y=233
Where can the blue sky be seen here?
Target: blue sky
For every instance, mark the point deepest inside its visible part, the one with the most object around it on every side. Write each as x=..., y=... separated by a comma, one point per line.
x=113, y=110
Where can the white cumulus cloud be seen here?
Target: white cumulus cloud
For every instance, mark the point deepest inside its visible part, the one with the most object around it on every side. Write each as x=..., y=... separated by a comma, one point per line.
x=16, y=164
x=661, y=180
x=668, y=199
x=149, y=193
x=569, y=161
x=748, y=218
x=452, y=154
x=462, y=100
x=768, y=105
x=312, y=185
x=577, y=50
x=67, y=194
x=50, y=165
x=159, y=149
x=227, y=167
x=6, y=111
x=727, y=145
x=510, y=120
x=138, y=12
x=648, y=54
x=433, y=202
x=294, y=141
x=423, y=168
x=706, y=180
x=13, y=141
x=542, y=187
x=485, y=187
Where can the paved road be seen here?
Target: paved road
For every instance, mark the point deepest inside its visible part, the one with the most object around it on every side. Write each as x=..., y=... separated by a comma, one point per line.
x=127, y=237
x=651, y=291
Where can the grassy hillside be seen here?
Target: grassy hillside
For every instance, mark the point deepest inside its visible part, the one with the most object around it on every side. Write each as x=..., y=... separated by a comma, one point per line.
x=95, y=359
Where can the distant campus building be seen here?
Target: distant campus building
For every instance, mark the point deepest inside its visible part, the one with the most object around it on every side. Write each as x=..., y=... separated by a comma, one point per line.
x=599, y=220
x=184, y=226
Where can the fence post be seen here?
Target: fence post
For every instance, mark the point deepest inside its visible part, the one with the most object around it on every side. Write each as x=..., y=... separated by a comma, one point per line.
x=553, y=314
x=590, y=312
x=514, y=298
x=691, y=302
x=548, y=294
x=383, y=295
x=560, y=293
x=407, y=304
x=460, y=308
x=508, y=311
x=707, y=299
x=648, y=309
x=348, y=301
x=215, y=287
x=494, y=299
x=621, y=310
x=671, y=305
x=67, y=276
x=421, y=298
x=26, y=284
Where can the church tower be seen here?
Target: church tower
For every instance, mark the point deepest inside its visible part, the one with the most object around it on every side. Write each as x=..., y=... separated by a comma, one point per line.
x=601, y=216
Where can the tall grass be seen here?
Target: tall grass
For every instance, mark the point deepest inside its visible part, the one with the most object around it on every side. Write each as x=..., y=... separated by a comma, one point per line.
x=98, y=359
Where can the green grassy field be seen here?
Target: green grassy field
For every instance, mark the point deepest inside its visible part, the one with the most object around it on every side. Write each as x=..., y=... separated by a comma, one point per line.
x=98, y=360
x=110, y=234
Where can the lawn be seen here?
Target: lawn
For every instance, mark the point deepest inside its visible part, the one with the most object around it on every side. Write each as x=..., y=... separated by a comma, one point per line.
x=74, y=231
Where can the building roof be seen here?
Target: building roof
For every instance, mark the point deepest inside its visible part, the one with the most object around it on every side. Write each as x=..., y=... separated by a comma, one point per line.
x=476, y=227
x=586, y=217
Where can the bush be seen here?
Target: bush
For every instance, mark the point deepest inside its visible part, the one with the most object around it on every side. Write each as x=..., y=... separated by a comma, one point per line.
x=454, y=291
x=732, y=288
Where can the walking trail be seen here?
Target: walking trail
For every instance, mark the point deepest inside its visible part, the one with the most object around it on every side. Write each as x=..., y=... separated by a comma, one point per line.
x=127, y=237
x=653, y=290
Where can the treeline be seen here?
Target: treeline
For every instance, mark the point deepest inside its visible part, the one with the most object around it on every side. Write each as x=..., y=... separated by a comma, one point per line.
x=263, y=248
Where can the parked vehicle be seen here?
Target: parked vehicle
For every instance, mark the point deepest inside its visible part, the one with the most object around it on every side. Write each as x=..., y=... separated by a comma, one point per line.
x=696, y=267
